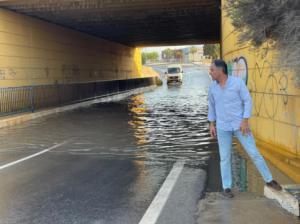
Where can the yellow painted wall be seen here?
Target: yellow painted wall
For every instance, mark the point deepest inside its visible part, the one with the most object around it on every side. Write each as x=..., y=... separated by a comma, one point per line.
x=34, y=52
x=276, y=99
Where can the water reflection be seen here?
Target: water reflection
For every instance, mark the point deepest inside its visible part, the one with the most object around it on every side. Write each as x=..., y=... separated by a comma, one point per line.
x=170, y=123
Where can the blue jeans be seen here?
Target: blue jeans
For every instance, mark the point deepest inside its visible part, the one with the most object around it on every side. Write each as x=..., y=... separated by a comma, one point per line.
x=248, y=142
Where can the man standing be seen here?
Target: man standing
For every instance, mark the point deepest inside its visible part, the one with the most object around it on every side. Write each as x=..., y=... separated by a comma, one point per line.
x=229, y=108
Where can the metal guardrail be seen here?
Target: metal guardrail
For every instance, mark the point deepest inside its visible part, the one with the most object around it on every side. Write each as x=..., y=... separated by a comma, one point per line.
x=15, y=100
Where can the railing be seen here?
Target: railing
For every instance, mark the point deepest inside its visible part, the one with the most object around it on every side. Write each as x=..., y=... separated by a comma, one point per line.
x=16, y=99
x=31, y=98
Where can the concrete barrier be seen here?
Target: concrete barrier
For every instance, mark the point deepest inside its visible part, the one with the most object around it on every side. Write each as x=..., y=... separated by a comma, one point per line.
x=286, y=200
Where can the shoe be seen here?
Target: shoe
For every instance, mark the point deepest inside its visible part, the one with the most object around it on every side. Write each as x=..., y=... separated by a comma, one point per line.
x=274, y=185
x=228, y=193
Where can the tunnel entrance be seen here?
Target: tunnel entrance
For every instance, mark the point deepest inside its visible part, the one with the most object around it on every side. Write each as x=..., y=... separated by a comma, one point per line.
x=133, y=23
x=63, y=66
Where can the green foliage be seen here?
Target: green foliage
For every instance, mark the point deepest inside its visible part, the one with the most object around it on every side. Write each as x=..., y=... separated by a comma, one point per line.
x=168, y=53
x=212, y=50
x=276, y=22
x=151, y=56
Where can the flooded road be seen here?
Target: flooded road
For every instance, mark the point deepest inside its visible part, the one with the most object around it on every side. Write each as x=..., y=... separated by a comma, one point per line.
x=109, y=159
x=104, y=164
x=170, y=123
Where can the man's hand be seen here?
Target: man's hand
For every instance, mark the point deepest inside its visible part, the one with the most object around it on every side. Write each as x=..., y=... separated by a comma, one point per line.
x=245, y=128
x=212, y=129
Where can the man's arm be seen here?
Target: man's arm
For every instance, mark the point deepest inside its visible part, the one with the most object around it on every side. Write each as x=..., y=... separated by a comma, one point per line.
x=211, y=114
x=247, y=101
x=211, y=107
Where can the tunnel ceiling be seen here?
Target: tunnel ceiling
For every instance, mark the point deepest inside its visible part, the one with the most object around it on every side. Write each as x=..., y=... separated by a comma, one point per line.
x=131, y=22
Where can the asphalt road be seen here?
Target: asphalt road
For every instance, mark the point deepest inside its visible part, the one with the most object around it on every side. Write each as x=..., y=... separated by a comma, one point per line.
x=106, y=163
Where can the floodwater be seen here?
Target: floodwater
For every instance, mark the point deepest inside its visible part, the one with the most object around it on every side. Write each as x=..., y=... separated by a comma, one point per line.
x=114, y=157
x=170, y=123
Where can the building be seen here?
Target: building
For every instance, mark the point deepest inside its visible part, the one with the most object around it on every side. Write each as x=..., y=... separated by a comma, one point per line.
x=193, y=54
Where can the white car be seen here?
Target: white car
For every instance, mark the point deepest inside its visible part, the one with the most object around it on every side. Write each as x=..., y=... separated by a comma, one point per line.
x=174, y=74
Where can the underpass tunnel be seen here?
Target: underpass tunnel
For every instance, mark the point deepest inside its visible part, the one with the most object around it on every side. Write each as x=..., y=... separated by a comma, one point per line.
x=60, y=52
x=54, y=54
x=132, y=23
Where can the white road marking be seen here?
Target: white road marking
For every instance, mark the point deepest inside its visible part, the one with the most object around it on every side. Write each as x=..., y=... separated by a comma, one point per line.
x=158, y=203
x=31, y=156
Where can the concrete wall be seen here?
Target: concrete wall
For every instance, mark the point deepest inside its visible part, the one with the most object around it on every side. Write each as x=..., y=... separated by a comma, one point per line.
x=276, y=98
x=34, y=52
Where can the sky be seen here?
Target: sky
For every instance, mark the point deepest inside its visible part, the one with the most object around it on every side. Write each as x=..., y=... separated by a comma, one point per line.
x=159, y=49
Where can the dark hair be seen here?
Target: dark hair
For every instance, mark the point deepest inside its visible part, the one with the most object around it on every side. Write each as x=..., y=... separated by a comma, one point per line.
x=221, y=64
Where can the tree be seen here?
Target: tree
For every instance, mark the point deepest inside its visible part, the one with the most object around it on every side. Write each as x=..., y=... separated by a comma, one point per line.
x=273, y=22
x=168, y=53
x=212, y=50
x=149, y=56
x=179, y=55
x=193, y=51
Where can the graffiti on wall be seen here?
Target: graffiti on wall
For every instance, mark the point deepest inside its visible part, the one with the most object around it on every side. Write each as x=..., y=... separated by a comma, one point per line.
x=7, y=73
x=272, y=91
x=70, y=71
x=268, y=86
x=239, y=67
